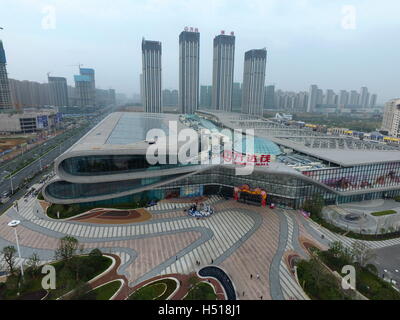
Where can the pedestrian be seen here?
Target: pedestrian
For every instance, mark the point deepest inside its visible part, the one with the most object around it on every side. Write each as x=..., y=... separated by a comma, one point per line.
x=176, y=258
x=243, y=293
x=258, y=276
x=212, y=261
x=261, y=297
x=251, y=276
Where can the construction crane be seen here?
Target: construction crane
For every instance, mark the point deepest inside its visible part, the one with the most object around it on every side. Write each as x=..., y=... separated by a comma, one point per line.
x=79, y=65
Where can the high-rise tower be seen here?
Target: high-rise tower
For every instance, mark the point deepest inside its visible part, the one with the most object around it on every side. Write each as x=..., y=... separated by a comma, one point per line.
x=255, y=63
x=5, y=96
x=58, y=91
x=151, y=76
x=223, y=70
x=312, y=99
x=189, y=64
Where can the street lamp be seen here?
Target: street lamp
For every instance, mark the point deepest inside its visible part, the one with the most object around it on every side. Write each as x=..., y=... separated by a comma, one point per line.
x=11, y=183
x=14, y=224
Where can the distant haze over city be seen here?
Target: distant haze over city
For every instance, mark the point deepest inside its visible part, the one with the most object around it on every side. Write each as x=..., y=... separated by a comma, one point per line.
x=334, y=44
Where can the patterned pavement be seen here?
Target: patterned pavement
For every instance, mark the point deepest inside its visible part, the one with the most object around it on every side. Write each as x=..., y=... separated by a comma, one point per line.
x=248, y=242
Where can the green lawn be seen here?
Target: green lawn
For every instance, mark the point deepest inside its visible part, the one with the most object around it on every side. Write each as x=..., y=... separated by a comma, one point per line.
x=66, y=279
x=318, y=283
x=354, y=235
x=89, y=268
x=383, y=213
x=104, y=292
x=201, y=291
x=69, y=211
x=159, y=290
x=150, y=292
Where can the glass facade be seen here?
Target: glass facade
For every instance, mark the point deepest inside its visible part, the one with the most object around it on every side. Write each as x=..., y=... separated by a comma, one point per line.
x=282, y=189
x=67, y=190
x=366, y=177
x=110, y=164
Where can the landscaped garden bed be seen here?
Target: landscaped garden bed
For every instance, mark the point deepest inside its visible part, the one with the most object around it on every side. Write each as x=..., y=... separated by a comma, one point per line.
x=70, y=211
x=201, y=291
x=318, y=283
x=104, y=292
x=354, y=235
x=73, y=272
x=368, y=282
x=383, y=213
x=159, y=290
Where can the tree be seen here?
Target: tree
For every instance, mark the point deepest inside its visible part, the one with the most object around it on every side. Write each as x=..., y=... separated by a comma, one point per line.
x=314, y=205
x=96, y=253
x=67, y=248
x=338, y=250
x=9, y=254
x=319, y=271
x=361, y=253
x=33, y=264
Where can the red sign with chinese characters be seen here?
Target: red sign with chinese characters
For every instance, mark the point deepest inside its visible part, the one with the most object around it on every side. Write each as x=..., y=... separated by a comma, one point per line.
x=242, y=159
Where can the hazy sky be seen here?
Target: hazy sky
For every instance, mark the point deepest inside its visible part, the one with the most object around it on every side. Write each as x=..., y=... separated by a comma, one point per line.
x=308, y=41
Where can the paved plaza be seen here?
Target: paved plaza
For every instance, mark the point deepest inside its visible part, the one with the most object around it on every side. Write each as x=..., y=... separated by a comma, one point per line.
x=249, y=243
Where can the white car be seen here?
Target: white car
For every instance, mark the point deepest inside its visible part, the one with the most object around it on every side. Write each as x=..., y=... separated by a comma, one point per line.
x=5, y=200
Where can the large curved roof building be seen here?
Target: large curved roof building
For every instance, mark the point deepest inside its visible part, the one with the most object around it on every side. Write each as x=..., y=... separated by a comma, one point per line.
x=109, y=164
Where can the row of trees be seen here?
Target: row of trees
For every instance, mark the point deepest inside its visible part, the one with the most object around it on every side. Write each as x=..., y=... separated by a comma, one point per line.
x=73, y=270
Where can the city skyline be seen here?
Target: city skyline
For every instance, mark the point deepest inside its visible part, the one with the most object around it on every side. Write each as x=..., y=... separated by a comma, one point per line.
x=295, y=50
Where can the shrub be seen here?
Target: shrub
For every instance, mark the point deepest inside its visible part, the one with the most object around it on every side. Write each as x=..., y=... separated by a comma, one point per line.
x=96, y=253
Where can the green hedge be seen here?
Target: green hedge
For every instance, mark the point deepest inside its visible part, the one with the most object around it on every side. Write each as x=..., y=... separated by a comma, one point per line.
x=383, y=213
x=72, y=210
x=368, y=283
x=354, y=235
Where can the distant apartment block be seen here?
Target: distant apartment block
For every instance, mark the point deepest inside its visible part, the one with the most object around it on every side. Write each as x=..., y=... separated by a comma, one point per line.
x=269, y=102
x=205, y=96
x=84, y=91
x=170, y=98
x=313, y=98
x=5, y=95
x=237, y=97
x=29, y=94
x=58, y=91
x=391, y=118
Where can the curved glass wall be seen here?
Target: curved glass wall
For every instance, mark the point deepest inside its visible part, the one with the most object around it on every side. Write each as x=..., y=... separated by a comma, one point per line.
x=67, y=190
x=359, y=177
x=111, y=164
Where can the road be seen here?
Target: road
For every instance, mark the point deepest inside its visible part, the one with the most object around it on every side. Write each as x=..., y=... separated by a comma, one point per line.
x=47, y=159
x=388, y=263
